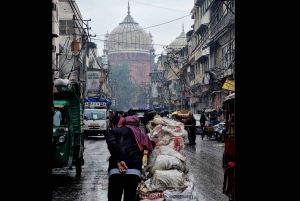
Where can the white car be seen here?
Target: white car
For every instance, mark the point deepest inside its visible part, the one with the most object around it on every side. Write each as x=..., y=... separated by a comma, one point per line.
x=198, y=129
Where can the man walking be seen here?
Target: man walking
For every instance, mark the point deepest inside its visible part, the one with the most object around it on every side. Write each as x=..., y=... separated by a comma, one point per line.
x=202, y=123
x=190, y=125
x=126, y=145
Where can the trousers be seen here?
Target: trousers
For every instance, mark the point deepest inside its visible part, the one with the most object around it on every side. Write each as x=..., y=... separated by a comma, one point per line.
x=122, y=183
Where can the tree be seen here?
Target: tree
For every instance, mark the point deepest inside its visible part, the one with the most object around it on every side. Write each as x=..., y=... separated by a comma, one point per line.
x=126, y=90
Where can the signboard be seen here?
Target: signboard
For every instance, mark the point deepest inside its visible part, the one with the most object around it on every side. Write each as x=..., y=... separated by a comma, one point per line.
x=92, y=83
x=228, y=85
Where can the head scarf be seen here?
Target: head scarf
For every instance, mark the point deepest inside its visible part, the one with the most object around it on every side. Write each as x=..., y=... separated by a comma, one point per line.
x=142, y=139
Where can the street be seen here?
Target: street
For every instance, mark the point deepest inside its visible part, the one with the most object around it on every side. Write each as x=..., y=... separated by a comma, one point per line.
x=204, y=161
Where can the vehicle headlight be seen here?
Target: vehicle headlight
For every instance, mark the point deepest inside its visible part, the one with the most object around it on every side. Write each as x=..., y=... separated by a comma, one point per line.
x=61, y=139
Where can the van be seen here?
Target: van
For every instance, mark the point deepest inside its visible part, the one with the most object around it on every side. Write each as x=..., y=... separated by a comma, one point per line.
x=96, y=120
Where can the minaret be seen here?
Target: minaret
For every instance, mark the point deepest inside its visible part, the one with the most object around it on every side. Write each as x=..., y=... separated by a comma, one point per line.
x=128, y=12
x=152, y=52
x=105, y=49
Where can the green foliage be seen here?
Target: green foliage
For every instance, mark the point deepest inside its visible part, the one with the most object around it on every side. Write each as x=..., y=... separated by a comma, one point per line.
x=125, y=88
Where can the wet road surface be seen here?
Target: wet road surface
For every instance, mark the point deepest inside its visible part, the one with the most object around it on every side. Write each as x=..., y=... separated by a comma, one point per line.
x=204, y=161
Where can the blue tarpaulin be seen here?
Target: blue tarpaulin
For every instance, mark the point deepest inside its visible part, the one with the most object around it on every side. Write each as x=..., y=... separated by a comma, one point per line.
x=93, y=99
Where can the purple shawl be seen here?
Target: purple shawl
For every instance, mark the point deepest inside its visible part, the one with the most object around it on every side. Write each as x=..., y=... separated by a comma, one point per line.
x=142, y=139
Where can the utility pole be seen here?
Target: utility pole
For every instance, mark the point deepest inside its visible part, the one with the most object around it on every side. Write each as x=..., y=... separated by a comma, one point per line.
x=75, y=65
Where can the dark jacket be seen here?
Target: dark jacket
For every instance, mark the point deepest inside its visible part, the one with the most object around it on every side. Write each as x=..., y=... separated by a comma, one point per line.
x=190, y=121
x=202, y=119
x=122, y=146
x=115, y=119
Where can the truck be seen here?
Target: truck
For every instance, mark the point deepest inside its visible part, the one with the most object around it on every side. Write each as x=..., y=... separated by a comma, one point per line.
x=96, y=116
x=67, y=138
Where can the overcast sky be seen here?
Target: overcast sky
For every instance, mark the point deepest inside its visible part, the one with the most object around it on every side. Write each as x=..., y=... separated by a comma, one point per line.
x=165, y=19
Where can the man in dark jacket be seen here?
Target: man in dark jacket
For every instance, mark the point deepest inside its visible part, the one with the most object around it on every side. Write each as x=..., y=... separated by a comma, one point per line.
x=190, y=126
x=202, y=122
x=115, y=119
x=126, y=145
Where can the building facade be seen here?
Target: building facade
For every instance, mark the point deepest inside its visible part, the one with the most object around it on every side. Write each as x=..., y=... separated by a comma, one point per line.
x=131, y=44
x=204, y=65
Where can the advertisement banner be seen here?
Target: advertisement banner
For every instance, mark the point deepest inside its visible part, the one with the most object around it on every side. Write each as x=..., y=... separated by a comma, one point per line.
x=92, y=83
x=228, y=85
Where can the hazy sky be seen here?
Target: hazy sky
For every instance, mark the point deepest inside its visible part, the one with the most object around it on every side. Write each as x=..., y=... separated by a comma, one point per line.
x=165, y=19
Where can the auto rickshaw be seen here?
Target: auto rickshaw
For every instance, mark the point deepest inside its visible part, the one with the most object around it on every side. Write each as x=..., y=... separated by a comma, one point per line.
x=180, y=115
x=228, y=161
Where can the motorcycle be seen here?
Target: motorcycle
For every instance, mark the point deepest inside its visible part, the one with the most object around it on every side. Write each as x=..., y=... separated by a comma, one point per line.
x=220, y=132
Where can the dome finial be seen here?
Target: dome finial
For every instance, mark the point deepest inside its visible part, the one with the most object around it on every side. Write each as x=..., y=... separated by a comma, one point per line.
x=128, y=8
x=182, y=27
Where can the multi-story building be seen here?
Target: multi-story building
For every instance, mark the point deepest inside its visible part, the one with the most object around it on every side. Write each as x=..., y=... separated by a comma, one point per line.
x=71, y=32
x=211, y=51
x=204, y=60
x=55, y=37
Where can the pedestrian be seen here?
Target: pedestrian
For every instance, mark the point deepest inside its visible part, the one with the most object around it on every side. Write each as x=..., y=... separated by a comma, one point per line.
x=116, y=119
x=111, y=115
x=202, y=123
x=190, y=125
x=126, y=145
x=121, y=120
x=150, y=116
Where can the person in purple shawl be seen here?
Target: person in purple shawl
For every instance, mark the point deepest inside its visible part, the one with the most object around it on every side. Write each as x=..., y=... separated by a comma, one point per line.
x=126, y=145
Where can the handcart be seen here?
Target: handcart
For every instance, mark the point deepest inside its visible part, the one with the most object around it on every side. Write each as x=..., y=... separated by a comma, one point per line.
x=208, y=131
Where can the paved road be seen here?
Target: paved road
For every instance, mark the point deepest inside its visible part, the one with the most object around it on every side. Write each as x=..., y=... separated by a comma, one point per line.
x=204, y=161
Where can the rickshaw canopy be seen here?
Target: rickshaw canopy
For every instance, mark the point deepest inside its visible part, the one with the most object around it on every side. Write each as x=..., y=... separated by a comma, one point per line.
x=61, y=103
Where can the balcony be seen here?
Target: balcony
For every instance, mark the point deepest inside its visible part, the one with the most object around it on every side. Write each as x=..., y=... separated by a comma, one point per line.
x=220, y=25
x=198, y=54
x=191, y=58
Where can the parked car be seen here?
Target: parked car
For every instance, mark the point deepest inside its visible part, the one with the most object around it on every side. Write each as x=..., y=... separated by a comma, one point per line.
x=198, y=129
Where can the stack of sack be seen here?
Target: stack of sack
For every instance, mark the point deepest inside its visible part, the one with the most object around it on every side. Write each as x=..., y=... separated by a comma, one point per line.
x=165, y=173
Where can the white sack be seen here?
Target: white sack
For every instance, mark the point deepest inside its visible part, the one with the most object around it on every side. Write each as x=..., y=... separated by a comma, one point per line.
x=167, y=179
x=167, y=162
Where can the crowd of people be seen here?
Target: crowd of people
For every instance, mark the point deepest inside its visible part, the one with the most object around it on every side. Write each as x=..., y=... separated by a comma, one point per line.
x=127, y=142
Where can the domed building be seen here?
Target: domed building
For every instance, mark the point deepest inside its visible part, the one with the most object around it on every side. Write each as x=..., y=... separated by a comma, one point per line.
x=179, y=42
x=131, y=44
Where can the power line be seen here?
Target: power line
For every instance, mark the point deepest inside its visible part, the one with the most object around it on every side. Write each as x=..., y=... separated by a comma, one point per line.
x=159, y=7
x=151, y=26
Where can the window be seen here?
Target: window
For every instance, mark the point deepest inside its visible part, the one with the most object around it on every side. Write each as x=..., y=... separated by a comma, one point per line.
x=65, y=27
x=59, y=118
x=227, y=55
x=94, y=114
x=215, y=57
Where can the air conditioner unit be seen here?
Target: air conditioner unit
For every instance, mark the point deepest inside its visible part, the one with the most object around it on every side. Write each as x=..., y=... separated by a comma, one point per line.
x=53, y=48
x=53, y=7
